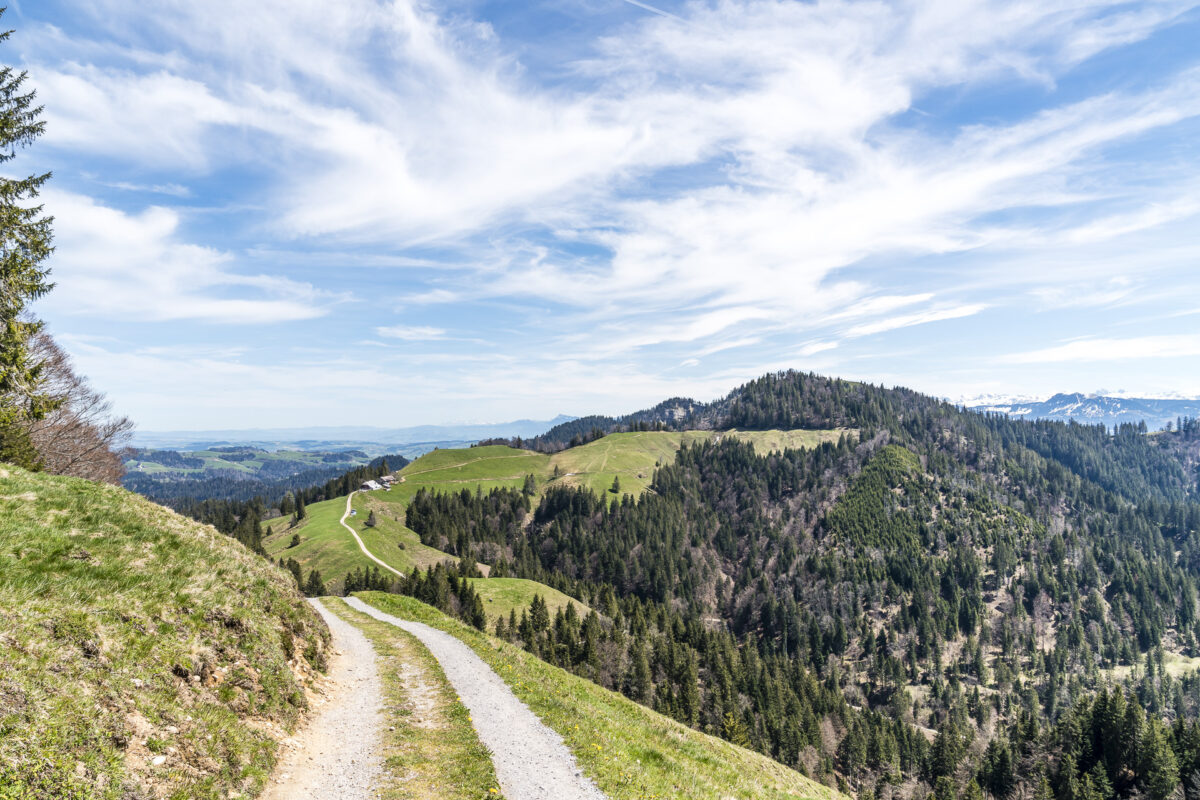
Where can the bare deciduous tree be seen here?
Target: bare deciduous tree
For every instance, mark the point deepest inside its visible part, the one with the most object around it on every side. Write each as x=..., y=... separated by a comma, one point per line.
x=81, y=437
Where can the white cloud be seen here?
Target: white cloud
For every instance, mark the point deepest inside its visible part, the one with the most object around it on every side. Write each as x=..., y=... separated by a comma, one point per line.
x=1138, y=347
x=410, y=333
x=136, y=267
x=812, y=348
x=917, y=318
x=157, y=118
x=1089, y=295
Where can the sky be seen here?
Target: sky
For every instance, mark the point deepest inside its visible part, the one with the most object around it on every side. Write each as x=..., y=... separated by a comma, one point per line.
x=295, y=213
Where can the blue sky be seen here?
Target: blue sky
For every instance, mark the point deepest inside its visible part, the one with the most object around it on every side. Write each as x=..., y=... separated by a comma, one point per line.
x=311, y=213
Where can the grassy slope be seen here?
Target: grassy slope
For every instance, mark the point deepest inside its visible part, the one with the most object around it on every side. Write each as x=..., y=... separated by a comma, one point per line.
x=502, y=595
x=430, y=750
x=325, y=544
x=109, y=605
x=630, y=456
x=770, y=441
x=630, y=751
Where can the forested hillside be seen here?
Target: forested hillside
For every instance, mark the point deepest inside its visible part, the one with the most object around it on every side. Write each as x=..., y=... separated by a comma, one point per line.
x=932, y=605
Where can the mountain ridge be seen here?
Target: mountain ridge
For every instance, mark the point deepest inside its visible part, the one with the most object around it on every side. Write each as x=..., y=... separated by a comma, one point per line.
x=1155, y=412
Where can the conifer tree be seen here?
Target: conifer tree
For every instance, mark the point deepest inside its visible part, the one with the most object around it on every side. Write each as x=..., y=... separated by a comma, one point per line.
x=734, y=730
x=25, y=242
x=539, y=614
x=314, y=586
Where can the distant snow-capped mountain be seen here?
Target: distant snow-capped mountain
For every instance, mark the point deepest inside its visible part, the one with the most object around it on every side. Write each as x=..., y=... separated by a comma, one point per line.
x=1091, y=409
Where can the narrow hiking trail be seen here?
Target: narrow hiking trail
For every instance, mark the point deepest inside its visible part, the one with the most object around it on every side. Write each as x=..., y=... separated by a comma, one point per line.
x=531, y=761
x=336, y=755
x=361, y=546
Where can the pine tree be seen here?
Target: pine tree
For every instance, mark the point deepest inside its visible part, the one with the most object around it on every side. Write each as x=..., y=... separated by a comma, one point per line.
x=640, y=683
x=689, y=695
x=25, y=242
x=371, y=522
x=944, y=789
x=616, y=485
x=314, y=586
x=530, y=487
x=539, y=614
x=734, y=730
x=477, y=616
x=1159, y=764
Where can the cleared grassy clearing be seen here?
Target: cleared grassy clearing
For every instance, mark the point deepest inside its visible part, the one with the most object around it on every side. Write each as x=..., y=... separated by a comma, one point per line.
x=502, y=595
x=130, y=635
x=1176, y=665
x=630, y=752
x=775, y=440
x=631, y=457
x=476, y=463
x=433, y=751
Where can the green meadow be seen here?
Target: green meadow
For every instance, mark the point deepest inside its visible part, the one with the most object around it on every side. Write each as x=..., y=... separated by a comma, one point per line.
x=502, y=595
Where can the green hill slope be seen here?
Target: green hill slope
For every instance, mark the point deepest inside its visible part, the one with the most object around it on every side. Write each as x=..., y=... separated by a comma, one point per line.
x=503, y=595
x=141, y=654
x=631, y=457
x=326, y=546
x=630, y=751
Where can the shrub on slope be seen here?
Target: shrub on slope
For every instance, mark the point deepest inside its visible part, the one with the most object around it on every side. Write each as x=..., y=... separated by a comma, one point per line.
x=142, y=655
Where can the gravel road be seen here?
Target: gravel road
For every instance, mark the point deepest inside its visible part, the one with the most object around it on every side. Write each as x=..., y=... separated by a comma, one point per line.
x=335, y=755
x=531, y=761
